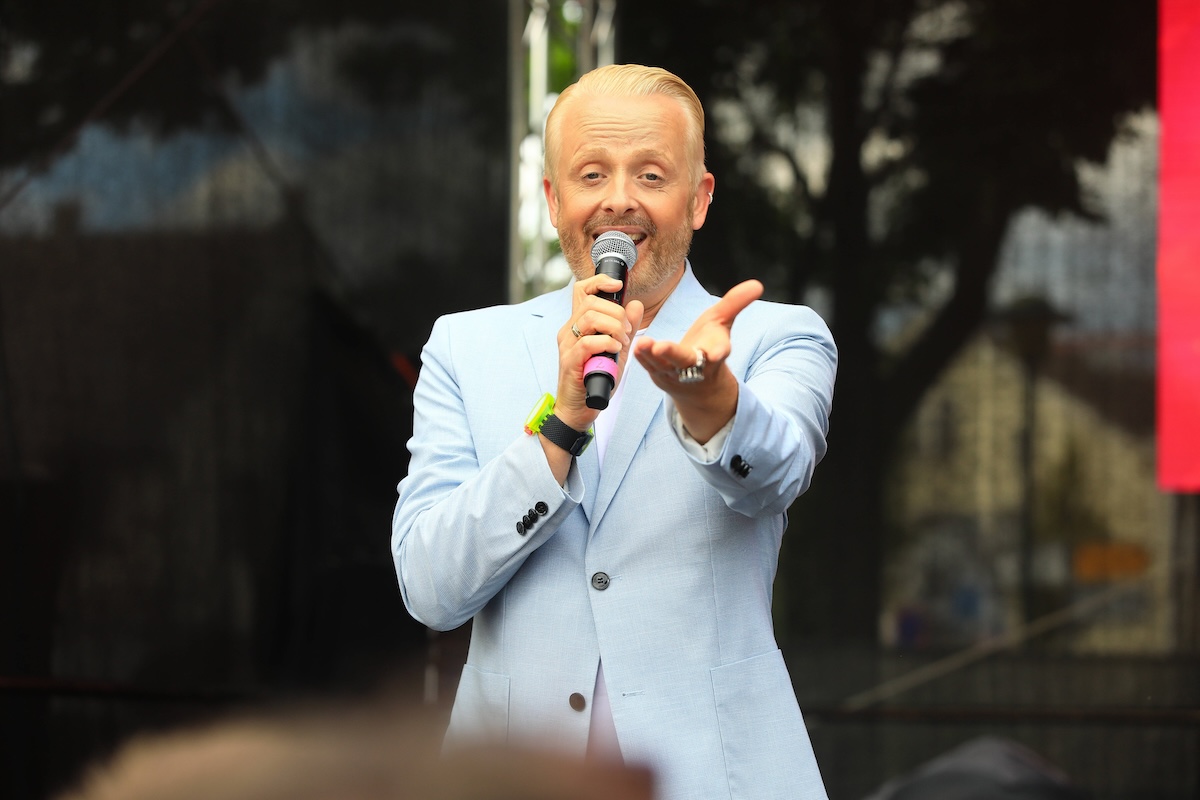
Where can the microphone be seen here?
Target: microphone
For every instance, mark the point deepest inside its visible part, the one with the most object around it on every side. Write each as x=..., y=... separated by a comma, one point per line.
x=614, y=254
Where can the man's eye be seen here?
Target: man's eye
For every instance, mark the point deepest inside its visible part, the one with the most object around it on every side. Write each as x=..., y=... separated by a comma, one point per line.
x=652, y=176
x=591, y=176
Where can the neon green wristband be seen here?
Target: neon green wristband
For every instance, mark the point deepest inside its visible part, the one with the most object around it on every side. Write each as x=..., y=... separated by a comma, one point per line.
x=543, y=409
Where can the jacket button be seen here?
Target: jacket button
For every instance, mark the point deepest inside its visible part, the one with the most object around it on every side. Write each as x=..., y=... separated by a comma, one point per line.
x=521, y=528
x=600, y=581
x=739, y=466
x=541, y=508
x=577, y=701
x=527, y=521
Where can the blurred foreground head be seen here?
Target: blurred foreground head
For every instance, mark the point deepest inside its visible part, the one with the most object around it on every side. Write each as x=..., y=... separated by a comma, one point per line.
x=346, y=756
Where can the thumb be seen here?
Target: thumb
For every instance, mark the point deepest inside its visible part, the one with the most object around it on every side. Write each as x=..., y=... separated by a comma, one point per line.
x=735, y=301
x=634, y=311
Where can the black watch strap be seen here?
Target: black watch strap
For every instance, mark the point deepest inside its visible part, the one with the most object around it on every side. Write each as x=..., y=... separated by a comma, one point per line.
x=565, y=437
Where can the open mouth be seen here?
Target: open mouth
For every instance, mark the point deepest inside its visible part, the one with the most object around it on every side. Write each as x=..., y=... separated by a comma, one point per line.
x=637, y=236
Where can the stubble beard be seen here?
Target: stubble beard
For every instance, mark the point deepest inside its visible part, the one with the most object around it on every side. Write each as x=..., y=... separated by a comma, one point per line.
x=658, y=260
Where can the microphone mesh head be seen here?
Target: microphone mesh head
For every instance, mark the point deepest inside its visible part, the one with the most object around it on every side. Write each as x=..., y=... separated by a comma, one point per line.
x=615, y=243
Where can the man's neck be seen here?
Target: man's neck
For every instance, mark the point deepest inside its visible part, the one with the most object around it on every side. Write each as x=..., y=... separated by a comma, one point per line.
x=659, y=296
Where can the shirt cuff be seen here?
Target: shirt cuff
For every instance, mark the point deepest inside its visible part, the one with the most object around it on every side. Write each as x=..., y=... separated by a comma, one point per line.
x=710, y=451
x=573, y=487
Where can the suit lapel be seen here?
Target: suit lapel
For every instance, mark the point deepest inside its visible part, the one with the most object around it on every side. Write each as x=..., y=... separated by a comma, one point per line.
x=641, y=399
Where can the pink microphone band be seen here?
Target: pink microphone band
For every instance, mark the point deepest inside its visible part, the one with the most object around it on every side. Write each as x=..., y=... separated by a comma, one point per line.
x=601, y=363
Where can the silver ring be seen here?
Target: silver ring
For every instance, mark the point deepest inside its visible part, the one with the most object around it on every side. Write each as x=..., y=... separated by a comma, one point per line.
x=694, y=373
x=575, y=330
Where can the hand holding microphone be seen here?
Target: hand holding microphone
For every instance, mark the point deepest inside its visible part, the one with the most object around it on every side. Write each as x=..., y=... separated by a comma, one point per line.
x=614, y=254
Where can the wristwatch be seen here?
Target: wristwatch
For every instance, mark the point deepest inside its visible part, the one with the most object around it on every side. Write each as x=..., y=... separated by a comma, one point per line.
x=569, y=439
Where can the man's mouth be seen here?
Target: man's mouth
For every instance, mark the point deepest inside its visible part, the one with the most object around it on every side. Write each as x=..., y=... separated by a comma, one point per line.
x=637, y=236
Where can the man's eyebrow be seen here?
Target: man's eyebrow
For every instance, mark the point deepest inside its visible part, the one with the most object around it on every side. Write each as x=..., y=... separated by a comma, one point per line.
x=590, y=154
x=651, y=154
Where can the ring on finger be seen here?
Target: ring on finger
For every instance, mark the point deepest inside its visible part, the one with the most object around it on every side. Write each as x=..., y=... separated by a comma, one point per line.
x=575, y=330
x=694, y=373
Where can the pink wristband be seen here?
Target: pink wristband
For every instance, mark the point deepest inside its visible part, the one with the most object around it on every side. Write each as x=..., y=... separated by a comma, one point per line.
x=599, y=363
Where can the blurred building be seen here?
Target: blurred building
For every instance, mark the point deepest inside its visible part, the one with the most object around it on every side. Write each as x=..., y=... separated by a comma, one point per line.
x=1099, y=520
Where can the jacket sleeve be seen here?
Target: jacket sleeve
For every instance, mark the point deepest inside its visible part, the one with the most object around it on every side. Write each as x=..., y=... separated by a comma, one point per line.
x=455, y=539
x=784, y=401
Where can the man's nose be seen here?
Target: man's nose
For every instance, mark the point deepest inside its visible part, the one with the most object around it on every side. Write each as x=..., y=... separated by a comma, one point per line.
x=620, y=198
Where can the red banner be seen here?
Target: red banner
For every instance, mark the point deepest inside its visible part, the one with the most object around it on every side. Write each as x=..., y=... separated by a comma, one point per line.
x=1179, y=246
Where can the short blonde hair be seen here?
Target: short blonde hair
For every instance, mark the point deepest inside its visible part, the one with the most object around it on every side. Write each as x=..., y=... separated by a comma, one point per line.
x=630, y=80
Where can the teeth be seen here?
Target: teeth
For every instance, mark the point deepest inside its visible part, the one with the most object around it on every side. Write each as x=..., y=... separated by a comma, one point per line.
x=637, y=238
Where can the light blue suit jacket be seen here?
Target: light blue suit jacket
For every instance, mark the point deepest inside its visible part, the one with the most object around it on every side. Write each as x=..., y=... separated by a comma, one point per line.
x=698, y=686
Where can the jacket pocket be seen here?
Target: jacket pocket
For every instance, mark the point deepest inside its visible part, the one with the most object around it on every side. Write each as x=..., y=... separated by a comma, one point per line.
x=480, y=706
x=763, y=738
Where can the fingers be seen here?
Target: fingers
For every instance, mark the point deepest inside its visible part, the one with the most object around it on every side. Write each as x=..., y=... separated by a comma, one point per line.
x=596, y=284
x=711, y=330
x=597, y=325
x=603, y=322
x=658, y=356
x=663, y=359
x=710, y=333
x=592, y=314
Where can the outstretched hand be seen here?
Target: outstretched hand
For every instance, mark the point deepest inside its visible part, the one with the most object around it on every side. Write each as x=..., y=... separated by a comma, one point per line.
x=705, y=406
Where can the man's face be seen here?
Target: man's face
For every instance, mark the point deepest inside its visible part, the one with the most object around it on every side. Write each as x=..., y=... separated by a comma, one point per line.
x=623, y=165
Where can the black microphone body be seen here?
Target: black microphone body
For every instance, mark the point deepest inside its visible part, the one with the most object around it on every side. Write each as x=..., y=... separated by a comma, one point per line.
x=613, y=253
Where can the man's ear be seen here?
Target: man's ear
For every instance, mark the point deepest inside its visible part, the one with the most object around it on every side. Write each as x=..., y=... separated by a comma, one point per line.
x=551, y=200
x=702, y=200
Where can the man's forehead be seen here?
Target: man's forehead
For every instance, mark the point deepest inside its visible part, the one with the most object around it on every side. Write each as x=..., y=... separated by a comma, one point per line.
x=645, y=126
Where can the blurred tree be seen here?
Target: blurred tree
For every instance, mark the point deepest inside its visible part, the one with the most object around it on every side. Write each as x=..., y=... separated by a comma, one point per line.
x=871, y=151
x=148, y=63
x=155, y=69
x=381, y=195
x=869, y=155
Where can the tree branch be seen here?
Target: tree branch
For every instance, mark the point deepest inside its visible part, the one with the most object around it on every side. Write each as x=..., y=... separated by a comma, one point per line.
x=879, y=114
x=920, y=365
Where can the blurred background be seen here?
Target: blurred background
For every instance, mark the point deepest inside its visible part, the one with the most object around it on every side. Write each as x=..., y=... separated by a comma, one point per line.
x=227, y=227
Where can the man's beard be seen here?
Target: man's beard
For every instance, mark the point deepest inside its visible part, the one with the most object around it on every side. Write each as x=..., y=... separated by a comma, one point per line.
x=658, y=260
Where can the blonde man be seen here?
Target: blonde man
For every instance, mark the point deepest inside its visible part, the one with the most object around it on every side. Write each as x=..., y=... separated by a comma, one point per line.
x=621, y=589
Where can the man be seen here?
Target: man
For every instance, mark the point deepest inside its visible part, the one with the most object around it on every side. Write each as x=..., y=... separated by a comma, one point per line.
x=621, y=593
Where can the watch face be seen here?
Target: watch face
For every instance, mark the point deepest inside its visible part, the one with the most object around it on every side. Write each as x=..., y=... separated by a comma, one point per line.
x=581, y=444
